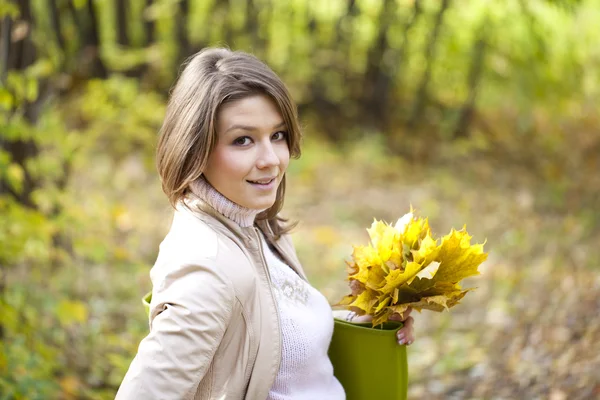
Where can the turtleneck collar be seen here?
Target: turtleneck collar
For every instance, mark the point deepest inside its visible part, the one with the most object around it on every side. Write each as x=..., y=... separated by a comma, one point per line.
x=241, y=215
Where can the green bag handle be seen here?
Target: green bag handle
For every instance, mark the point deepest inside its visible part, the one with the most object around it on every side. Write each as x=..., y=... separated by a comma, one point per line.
x=146, y=302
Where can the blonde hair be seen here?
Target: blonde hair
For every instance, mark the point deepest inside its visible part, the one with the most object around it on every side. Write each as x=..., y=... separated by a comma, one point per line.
x=211, y=78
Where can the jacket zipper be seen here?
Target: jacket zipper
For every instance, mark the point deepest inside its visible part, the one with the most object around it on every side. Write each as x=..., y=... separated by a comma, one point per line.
x=266, y=268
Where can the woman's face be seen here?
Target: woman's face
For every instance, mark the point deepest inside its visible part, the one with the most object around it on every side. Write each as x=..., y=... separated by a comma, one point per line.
x=251, y=155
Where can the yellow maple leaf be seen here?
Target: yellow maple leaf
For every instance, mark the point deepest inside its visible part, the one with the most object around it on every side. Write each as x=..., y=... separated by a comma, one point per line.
x=429, y=271
x=395, y=295
x=403, y=221
x=376, y=277
x=404, y=266
x=380, y=232
x=415, y=230
x=346, y=300
x=397, y=277
x=382, y=317
x=458, y=258
x=351, y=268
x=428, y=250
x=399, y=309
x=385, y=239
x=365, y=257
x=365, y=301
x=383, y=304
x=434, y=303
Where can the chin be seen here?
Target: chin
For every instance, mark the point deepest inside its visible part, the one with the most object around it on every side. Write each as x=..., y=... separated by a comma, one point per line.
x=263, y=205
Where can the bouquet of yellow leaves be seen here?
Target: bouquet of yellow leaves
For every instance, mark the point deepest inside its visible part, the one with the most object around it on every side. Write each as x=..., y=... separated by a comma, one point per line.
x=405, y=266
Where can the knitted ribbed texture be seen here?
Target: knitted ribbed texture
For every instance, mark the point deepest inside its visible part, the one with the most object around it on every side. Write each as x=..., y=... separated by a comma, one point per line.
x=306, y=323
x=241, y=215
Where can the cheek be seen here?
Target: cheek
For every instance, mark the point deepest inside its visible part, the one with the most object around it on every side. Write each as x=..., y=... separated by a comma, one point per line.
x=283, y=154
x=228, y=163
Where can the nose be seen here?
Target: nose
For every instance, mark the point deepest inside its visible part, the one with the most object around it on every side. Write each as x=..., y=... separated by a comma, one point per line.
x=267, y=156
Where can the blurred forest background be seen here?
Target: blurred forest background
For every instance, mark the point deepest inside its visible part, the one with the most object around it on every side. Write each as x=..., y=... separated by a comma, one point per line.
x=473, y=111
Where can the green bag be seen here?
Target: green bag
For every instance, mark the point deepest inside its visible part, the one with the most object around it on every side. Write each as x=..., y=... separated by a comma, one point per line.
x=369, y=362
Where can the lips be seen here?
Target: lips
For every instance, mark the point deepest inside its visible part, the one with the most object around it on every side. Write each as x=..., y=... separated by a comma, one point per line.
x=263, y=181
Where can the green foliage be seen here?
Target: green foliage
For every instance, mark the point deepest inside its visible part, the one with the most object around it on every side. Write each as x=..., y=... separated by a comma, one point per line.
x=25, y=235
x=75, y=261
x=54, y=319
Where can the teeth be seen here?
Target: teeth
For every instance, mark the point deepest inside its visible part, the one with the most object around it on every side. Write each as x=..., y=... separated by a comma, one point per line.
x=262, y=182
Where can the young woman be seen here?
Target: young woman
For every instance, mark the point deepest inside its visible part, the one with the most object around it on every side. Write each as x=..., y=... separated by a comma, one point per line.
x=233, y=315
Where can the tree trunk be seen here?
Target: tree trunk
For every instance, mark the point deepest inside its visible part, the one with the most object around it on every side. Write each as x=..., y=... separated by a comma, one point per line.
x=149, y=26
x=121, y=19
x=56, y=25
x=77, y=21
x=5, y=31
x=318, y=100
x=181, y=30
x=378, y=80
x=21, y=55
x=401, y=55
x=422, y=92
x=351, y=11
x=473, y=80
x=98, y=69
x=227, y=31
x=87, y=56
x=251, y=26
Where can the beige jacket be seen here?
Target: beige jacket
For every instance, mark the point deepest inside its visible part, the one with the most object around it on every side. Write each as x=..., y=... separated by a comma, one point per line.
x=214, y=326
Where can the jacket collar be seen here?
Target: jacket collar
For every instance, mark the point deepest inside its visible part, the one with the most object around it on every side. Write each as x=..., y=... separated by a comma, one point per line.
x=247, y=235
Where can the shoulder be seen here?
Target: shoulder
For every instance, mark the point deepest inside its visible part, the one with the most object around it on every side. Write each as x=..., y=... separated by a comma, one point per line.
x=189, y=238
x=193, y=243
x=188, y=260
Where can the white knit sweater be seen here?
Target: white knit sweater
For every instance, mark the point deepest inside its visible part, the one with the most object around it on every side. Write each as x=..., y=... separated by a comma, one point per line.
x=306, y=327
x=306, y=319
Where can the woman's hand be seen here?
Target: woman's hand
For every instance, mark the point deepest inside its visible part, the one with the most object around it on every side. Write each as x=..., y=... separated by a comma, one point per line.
x=405, y=335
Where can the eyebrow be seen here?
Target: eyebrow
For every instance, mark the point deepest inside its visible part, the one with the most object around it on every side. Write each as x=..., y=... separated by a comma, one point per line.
x=252, y=128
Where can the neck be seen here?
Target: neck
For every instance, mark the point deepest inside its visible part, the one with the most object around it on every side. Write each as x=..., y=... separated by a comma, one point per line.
x=241, y=215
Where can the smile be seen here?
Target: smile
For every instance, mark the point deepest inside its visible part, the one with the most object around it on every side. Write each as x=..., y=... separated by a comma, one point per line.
x=263, y=182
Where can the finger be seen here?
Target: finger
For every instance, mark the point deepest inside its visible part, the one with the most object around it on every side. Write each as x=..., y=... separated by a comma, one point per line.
x=407, y=327
x=401, y=316
x=408, y=323
x=340, y=314
x=359, y=319
x=405, y=335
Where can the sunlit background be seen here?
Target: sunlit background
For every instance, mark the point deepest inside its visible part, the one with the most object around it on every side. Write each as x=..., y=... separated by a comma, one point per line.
x=472, y=111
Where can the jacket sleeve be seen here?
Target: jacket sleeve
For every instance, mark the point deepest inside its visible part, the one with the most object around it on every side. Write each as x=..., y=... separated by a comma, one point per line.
x=190, y=310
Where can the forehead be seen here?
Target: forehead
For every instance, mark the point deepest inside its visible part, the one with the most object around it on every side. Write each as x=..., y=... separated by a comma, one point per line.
x=258, y=111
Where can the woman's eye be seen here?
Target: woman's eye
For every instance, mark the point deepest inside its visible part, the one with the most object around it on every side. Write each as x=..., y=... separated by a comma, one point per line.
x=242, y=141
x=279, y=135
